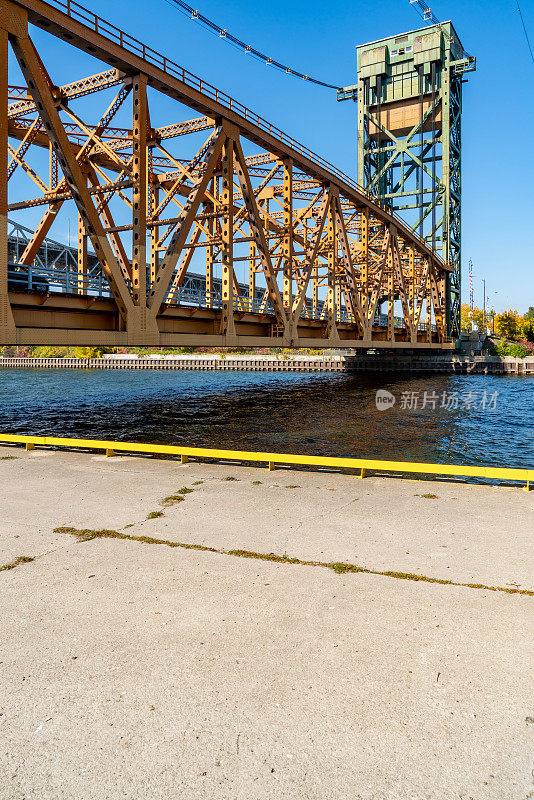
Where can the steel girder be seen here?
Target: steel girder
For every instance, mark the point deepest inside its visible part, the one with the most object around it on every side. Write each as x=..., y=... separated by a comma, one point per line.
x=320, y=254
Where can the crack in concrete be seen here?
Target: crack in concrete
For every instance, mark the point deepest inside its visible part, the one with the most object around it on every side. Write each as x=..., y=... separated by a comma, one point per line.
x=339, y=567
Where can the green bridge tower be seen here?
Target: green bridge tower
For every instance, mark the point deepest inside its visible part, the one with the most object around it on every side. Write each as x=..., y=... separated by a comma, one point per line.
x=409, y=95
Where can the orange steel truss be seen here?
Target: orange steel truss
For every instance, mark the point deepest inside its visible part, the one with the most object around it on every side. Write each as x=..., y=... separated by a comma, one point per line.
x=324, y=264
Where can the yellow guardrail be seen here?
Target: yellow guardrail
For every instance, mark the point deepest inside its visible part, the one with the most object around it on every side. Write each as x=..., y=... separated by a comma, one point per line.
x=364, y=465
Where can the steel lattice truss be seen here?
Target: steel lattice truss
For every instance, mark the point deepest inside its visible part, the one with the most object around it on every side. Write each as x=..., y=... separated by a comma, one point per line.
x=322, y=255
x=409, y=137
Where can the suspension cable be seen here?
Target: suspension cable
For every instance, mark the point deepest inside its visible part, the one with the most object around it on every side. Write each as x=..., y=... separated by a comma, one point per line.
x=525, y=31
x=222, y=33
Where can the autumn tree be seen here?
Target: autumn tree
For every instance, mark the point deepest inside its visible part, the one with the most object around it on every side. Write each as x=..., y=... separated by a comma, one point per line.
x=509, y=324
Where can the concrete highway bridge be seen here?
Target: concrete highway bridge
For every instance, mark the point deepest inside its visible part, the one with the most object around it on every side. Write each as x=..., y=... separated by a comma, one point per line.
x=215, y=229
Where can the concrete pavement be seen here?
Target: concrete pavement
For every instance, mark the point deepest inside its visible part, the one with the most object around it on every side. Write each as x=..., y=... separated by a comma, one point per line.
x=133, y=670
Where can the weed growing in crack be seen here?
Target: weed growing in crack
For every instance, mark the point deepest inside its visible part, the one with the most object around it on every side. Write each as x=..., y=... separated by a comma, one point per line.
x=16, y=562
x=338, y=567
x=172, y=499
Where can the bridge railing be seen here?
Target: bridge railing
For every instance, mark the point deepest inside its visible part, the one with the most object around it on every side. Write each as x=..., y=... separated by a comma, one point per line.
x=104, y=28
x=55, y=280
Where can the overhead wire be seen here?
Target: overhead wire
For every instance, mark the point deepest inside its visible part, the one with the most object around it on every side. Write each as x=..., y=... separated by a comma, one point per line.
x=424, y=11
x=427, y=15
x=222, y=33
x=525, y=31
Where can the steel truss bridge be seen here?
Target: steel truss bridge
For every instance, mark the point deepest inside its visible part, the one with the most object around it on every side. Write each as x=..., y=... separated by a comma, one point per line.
x=327, y=264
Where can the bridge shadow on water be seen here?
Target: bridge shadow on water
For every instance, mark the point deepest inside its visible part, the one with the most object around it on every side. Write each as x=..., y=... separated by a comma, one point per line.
x=333, y=415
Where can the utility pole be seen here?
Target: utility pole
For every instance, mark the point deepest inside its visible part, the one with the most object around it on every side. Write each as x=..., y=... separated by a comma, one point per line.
x=484, y=312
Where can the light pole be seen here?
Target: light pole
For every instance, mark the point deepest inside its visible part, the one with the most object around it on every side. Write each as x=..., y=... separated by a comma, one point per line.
x=494, y=317
x=484, y=310
x=484, y=303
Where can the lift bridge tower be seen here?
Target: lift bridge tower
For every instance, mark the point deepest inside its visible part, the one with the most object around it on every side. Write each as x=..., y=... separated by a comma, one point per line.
x=409, y=95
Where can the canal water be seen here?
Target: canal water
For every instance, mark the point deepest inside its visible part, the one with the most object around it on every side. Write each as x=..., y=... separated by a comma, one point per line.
x=476, y=419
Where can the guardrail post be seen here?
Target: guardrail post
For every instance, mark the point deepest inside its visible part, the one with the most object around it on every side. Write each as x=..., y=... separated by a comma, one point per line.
x=109, y=453
x=30, y=446
x=363, y=473
x=184, y=459
x=270, y=466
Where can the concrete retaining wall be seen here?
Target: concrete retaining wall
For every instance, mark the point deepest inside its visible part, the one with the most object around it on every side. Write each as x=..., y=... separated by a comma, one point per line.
x=239, y=363
x=463, y=365
x=449, y=364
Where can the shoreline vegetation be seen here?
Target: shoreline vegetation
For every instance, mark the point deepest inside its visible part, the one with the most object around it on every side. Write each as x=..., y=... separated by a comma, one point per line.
x=502, y=348
x=147, y=352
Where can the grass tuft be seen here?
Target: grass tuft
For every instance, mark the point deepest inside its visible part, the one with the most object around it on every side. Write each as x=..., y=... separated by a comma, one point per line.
x=430, y=496
x=8, y=458
x=154, y=514
x=16, y=562
x=265, y=556
x=341, y=568
x=292, y=486
x=197, y=483
x=229, y=478
x=256, y=483
x=185, y=490
x=172, y=499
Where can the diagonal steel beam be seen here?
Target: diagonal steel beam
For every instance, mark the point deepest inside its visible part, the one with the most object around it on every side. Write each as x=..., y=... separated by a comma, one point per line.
x=38, y=85
x=350, y=288
x=258, y=233
x=185, y=220
x=85, y=86
x=372, y=300
x=310, y=258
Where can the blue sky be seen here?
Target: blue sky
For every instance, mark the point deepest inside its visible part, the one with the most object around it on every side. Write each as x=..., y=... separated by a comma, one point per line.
x=320, y=39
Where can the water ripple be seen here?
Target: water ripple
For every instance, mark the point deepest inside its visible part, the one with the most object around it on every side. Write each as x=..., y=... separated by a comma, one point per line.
x=332, y=415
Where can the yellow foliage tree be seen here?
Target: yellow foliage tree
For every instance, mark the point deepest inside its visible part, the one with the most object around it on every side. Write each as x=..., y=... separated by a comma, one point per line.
x=90, y=352
x=509, y=324
x=477, y=317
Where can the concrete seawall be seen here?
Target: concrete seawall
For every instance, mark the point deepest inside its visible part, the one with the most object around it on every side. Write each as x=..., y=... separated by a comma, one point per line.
x=243, y=363
x=446, y=363
x=462, y=365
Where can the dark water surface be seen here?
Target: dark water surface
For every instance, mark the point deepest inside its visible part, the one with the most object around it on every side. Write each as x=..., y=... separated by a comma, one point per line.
x=293, y=413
